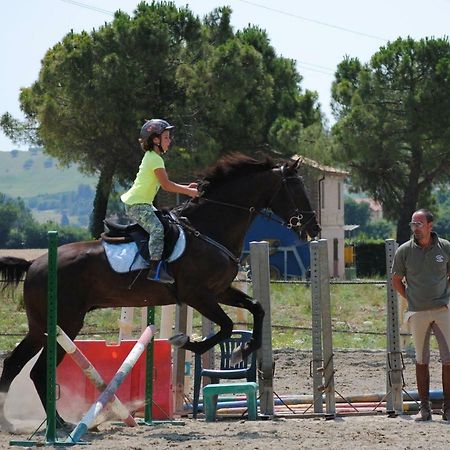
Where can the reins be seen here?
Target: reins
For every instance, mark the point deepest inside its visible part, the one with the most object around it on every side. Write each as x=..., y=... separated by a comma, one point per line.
x=294, y=221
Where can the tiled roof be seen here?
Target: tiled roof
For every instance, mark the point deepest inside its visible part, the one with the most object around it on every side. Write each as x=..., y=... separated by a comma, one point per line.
x=315, y=165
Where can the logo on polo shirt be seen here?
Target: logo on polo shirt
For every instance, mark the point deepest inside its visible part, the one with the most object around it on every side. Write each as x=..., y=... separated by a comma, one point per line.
x=439, y=258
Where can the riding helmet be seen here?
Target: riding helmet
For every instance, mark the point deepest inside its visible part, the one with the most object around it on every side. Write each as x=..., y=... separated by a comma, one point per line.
x=154, y=127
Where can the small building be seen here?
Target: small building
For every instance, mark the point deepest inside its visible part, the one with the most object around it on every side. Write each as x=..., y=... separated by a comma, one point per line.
x=376, y=210
x=325, y=186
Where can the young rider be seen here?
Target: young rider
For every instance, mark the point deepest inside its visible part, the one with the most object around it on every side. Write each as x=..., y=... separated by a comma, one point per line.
x=155, y=140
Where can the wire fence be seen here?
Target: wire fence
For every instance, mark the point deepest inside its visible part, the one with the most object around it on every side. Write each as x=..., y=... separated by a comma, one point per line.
x=280, y=327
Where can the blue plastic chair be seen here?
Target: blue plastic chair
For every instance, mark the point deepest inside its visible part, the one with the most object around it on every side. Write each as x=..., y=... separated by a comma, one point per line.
x=245, y=369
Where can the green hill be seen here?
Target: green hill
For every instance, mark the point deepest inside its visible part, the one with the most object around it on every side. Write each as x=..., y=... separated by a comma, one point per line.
x=63, y=195
x=30, y=173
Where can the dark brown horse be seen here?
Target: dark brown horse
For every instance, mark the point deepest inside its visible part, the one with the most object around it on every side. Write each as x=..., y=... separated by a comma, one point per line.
x=233, y=192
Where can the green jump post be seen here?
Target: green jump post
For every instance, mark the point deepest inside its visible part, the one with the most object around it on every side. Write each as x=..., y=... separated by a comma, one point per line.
x=52, y=314
x=148, y=414
x=148, y=409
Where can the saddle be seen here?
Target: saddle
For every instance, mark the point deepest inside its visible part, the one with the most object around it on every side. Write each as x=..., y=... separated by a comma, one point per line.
x=116, y=233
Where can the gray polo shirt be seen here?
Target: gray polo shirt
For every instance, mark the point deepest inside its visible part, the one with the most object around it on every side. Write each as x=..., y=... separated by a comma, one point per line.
x=426, y=271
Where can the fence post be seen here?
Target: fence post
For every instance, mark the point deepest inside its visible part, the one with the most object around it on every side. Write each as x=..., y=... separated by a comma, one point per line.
x=259, y=260
x=316, y=323
x=394, y=363
x=52, y=317
x=327, y=336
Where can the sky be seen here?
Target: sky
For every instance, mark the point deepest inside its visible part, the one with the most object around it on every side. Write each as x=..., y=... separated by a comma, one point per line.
x=316, y=34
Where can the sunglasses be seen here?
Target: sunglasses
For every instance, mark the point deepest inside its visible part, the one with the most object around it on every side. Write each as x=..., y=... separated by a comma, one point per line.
x=416, y=224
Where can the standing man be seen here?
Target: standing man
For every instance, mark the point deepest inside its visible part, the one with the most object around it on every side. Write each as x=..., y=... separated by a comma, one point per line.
x=420, y=273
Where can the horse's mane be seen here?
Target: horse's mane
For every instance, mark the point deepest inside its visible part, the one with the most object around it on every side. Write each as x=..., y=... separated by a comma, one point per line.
x=232, y=166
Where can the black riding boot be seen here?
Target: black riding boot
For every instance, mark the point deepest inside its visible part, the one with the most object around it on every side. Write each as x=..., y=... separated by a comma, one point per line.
x=158, y=273
x=423, y=388
x=446, y=391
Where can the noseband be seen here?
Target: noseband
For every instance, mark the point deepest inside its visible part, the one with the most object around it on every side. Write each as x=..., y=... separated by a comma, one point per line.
x=295, y=221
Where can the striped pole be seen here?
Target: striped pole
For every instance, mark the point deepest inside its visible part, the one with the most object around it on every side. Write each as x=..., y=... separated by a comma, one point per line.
x=112, y=387
x=92, y=374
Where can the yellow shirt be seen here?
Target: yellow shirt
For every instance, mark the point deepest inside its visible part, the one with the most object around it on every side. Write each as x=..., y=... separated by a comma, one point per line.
x=146, y=185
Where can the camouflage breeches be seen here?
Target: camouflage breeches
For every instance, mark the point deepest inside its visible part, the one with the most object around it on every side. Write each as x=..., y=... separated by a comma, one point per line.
x=145, y=216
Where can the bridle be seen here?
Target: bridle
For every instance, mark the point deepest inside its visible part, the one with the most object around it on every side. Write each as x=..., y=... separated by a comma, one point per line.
x=295, y=221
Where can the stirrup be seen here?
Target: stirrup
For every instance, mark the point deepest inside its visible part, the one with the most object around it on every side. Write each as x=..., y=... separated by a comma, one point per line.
x=160, y=275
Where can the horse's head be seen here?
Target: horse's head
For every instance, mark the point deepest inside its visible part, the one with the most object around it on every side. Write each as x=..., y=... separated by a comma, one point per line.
x=290, y=201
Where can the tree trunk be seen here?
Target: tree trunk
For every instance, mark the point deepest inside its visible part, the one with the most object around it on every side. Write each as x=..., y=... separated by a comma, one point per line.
x=101, y=200
x=410, y=197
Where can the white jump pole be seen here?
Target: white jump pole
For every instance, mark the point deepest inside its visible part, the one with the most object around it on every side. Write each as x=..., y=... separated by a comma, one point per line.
x=240, y=282
x=92, y=374
x=126, y=323
x=167, y=320
x=112, y=387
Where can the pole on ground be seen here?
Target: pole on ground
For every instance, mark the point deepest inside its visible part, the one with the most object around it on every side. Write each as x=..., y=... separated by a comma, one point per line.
x=259, y=260
x=394, y=361
x=112, y=387
x=93, y=375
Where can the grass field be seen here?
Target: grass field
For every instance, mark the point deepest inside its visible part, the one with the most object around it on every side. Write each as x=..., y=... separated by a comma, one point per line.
x=356, y=309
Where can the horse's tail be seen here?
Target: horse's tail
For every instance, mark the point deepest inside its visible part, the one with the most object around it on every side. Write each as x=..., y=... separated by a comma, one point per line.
x=12, y=270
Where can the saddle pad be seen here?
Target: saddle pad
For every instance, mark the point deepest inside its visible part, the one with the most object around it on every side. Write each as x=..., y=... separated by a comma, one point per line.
x=125, y=257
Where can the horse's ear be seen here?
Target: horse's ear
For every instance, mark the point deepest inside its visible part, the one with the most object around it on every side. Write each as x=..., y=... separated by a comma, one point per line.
x=296, y=164
x=291, y=167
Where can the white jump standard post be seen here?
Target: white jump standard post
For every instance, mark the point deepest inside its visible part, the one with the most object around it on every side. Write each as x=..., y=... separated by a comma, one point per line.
x=92, y=374
x=322, y=345
x=112, y=387
x=259, y=259
x=394, y=362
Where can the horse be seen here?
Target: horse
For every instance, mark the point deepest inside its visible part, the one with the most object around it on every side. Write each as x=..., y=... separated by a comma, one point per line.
x=232, y=193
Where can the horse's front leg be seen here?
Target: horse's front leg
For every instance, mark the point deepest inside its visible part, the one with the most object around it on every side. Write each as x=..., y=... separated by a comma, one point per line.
x=208, y=307
x=238, y=299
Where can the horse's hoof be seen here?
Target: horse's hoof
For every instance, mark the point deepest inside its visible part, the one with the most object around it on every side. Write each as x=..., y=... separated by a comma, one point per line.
x=62, y=425
x=236, y=356
x=178, y=340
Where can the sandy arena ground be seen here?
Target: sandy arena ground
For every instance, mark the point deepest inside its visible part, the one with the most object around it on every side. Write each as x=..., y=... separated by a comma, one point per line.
x=357, y=372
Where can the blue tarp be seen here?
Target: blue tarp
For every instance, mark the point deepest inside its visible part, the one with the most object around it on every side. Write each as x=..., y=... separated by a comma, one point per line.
x=264, y=229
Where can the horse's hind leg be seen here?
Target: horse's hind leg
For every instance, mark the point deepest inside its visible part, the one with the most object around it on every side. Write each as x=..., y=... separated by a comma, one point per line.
x=12, y=365
x=235, y=297
x=208, y=307
x=39, y=376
